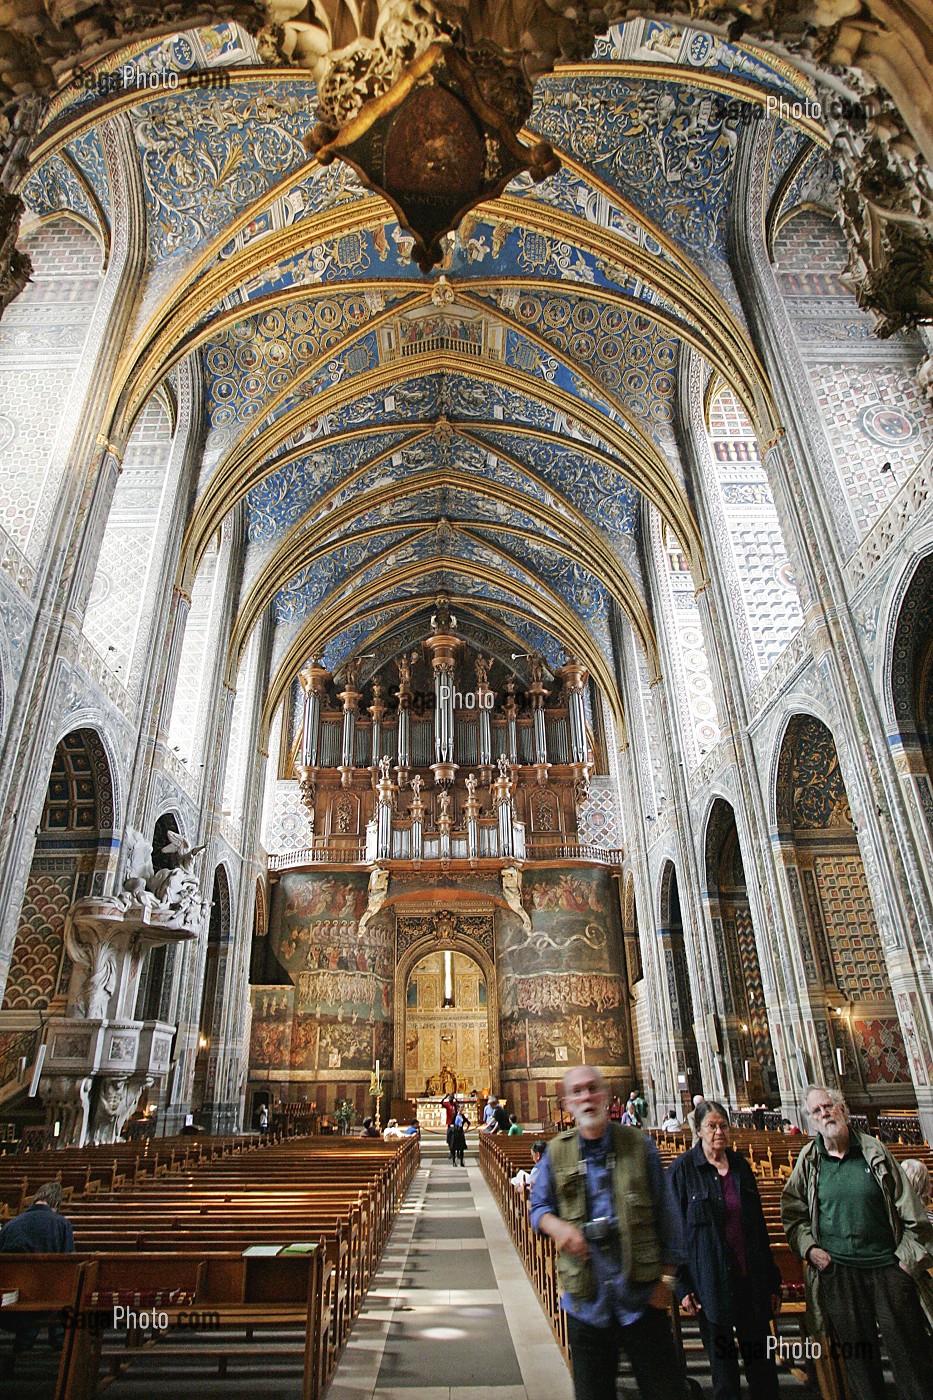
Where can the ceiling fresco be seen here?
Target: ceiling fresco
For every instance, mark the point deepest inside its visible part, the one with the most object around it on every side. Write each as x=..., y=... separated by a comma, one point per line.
x=497, y=429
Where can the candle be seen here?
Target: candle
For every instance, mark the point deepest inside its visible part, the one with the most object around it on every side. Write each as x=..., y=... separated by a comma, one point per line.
x=377, y=1072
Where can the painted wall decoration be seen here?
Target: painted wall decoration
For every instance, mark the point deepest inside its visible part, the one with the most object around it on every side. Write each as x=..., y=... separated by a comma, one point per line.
x=562, y=990
x=866, y=388
x=881, y=1051
x=333, y=1016
x=39, y=947
x=270, y=1031
x=811, y=792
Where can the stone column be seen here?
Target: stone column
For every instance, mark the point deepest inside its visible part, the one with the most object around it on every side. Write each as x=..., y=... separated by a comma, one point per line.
x=802, y=471
x=652, y=1012
x=75, y=533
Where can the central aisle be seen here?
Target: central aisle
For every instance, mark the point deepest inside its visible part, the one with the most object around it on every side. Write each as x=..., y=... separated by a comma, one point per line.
x=451, y=1314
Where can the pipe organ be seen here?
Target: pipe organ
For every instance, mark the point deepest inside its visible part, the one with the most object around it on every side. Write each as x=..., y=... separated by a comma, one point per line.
x=442, y=754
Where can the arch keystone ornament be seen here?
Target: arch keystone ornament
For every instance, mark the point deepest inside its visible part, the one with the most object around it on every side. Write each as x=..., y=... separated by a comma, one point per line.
x=437, y=142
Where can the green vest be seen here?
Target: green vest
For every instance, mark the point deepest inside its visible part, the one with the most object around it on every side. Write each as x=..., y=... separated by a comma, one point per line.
x=634, y=1207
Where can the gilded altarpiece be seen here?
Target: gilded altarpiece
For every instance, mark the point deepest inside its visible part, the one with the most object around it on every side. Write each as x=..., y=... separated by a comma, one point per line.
x=425, y=1061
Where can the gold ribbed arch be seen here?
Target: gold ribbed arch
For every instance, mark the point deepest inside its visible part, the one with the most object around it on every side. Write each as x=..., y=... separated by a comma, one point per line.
x=301, y=548
x=644, y=467
x=538, y=603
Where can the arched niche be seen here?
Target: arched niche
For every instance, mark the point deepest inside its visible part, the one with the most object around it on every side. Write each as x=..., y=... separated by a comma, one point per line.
x=849, y=990
x=154, y=999
x=912, y=671
x=73, y=850
x=632, y=939
x=684, y=1051
x=210, y=1021
x=442, y=932
x=744, y=1010
x=446, y=1025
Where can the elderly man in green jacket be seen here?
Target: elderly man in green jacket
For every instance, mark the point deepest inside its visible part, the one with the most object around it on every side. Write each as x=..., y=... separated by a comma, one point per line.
x=852, y=1215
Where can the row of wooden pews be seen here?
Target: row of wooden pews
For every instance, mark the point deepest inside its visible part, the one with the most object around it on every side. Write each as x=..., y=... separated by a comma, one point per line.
x=82, y=1171
x=197, y=1264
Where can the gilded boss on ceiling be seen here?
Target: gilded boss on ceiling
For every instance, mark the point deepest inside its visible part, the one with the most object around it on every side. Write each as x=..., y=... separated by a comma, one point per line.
x=425, y=101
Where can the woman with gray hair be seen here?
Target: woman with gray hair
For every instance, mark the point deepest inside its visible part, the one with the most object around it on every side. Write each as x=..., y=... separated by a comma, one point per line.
x=729, y=1280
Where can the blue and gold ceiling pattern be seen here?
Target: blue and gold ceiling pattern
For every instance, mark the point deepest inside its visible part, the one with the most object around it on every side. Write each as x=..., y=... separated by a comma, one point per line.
x=497, y=430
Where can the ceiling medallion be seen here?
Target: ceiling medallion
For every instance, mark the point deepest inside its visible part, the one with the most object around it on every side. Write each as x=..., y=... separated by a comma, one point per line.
x=436, y=142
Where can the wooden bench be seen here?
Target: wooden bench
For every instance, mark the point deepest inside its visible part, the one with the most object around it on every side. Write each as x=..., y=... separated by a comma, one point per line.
x=196, y=1224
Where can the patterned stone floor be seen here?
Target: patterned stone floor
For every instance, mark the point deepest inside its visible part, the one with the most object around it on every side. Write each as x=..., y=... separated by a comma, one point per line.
x=451, y=1314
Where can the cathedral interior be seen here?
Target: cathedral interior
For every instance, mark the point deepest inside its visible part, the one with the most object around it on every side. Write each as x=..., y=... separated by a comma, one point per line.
x=466, y=600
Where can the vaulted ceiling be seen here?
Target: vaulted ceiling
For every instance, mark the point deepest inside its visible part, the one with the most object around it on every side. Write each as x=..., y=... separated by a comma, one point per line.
x=495, y=429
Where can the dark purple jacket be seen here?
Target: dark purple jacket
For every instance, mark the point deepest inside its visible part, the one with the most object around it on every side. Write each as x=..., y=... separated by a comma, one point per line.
x=695, y=1184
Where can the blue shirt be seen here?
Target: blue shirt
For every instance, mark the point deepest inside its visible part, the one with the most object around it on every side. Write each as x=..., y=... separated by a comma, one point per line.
x=615, y=1296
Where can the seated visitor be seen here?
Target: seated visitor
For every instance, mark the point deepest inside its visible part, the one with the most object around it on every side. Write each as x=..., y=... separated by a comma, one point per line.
x=671, y=1123
x=40, y=1229
x=369, y=1129
x=392, y=1130
x=524, y=1177
x=515, y=1127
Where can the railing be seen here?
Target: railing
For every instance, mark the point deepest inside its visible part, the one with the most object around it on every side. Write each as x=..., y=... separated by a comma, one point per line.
x=488, y=850
x=900, y=1127
x=764, y=1120
x=577, y=850
x=24, y=1046
x=319, y=855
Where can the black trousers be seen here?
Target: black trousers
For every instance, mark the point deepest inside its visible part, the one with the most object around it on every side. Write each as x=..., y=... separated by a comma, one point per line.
x=860, y=1303
x=747, y=1334
x=649, y=1345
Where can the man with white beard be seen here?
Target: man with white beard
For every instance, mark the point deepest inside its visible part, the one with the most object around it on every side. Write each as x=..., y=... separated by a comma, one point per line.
x=848, y=1210
x=602, y=1196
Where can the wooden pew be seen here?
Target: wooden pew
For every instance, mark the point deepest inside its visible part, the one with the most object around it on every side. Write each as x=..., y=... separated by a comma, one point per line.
x=199, y=1221
x=58, y=1284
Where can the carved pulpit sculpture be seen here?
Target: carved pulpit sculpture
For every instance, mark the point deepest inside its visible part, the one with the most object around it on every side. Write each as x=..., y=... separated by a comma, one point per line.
x=100, y=1058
